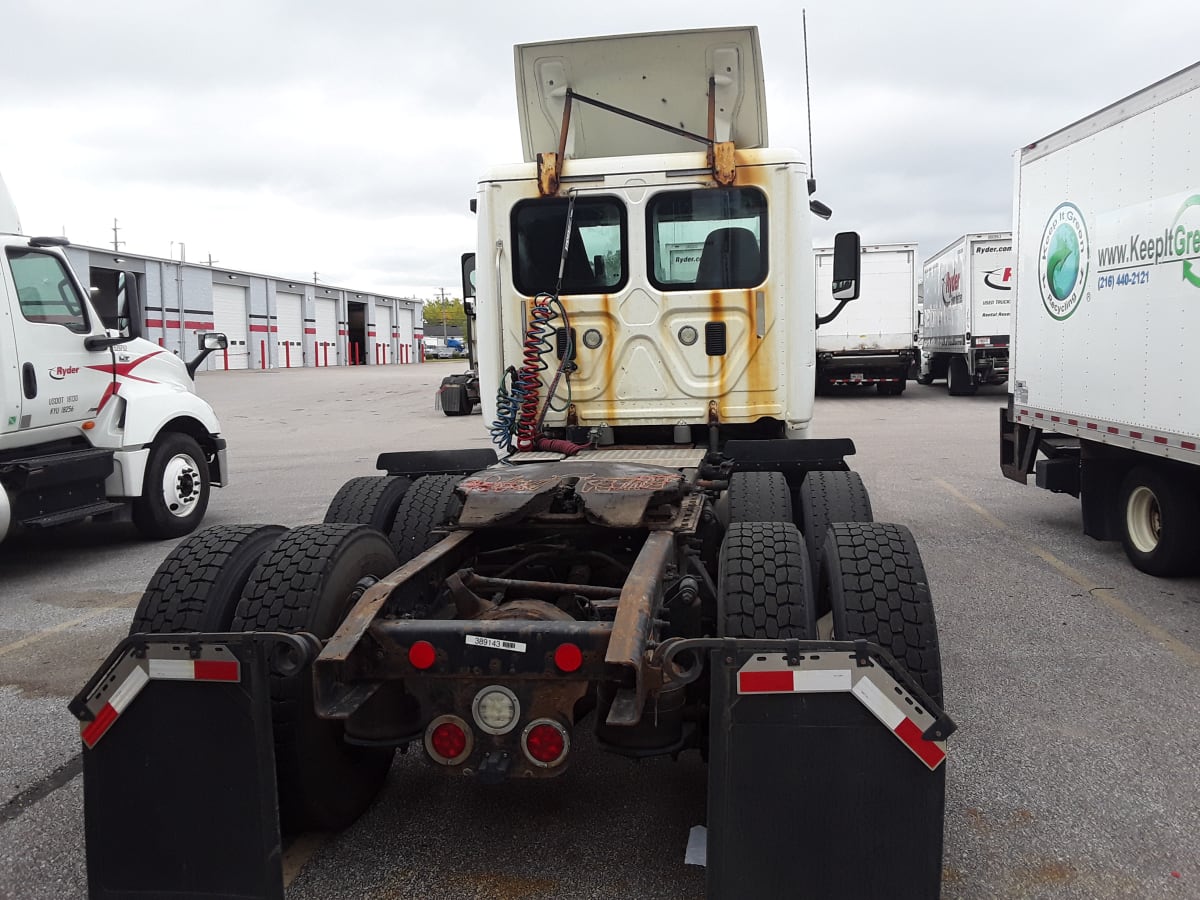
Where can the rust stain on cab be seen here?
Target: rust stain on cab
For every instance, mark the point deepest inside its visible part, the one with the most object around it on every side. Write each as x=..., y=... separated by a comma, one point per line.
x=718, y=368
x=608, y=360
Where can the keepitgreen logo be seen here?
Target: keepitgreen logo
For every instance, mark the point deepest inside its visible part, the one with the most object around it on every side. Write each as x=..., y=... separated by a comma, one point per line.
x=1063, y=261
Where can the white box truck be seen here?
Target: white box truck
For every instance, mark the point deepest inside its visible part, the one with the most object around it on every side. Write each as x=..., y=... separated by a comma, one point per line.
x=966, y=302
x=94, y=422
x=1107, y=311
x=871, y=342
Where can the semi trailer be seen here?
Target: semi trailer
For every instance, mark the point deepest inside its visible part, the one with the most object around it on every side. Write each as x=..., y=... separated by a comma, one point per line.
x=656, y=556
x=966, y=305
x=95, y=422
x=1103, y=403
x=871, y=342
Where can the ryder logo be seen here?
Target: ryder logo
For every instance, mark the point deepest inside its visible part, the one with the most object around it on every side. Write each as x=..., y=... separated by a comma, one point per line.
x=999, y=279
x=1063, y=261
x=952, y=287
x=58, y=373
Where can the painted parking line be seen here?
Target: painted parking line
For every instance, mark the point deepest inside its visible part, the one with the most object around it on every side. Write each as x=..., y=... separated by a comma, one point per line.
x=1107, y=596
x=55, y=629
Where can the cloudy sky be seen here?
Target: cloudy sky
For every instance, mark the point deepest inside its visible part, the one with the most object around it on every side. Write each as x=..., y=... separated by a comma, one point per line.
x=289, y=136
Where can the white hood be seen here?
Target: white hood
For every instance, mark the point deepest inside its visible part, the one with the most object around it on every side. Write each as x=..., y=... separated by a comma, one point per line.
x=10, y=223
x=662, y=76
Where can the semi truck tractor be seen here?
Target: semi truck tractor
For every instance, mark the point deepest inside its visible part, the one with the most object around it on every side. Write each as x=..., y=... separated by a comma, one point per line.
x=872, y=341
x=966, y=305
x=94, y=422
x=1103, y=404
x=656, y=558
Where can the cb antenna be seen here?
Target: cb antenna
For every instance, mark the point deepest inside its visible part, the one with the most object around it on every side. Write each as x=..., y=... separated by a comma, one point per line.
x=812, y=180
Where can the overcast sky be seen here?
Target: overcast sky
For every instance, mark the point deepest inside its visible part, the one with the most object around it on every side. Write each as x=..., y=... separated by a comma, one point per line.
x=285, y=137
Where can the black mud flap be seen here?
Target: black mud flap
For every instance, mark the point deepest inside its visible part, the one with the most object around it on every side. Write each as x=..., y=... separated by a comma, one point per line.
x=826, y=778
x=179, y=767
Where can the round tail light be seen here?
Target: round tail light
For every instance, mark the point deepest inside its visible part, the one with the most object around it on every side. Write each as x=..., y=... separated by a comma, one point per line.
x=568, y=658
x=546, y=742
x=496, y=709
x=422, y=655
x=448, y=740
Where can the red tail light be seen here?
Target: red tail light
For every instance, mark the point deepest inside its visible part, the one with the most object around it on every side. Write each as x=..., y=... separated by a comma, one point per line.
x=546, y=742
x=568, y=658
x=448, y=740
x=422, y=655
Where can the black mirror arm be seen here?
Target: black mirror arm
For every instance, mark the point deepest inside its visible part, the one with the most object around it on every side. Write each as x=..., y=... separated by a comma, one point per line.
x=194, y=364
x=825, y=320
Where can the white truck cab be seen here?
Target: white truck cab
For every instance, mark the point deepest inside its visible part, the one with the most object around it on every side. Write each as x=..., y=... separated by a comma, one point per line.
x=681, y=297
x=93, y=422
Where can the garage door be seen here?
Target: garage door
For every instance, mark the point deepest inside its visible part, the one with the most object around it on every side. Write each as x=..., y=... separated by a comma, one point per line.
x=327, y=337
x=290, y=310
x=404, y=335
x=229, y=316
x=383, y=334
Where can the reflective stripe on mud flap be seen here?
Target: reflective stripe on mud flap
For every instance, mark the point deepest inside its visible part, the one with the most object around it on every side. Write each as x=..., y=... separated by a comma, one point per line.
x=881, y=694
x=162, y=662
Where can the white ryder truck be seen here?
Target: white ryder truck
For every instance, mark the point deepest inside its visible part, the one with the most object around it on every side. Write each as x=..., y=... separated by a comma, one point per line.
x=873, y=341
x=1105, y=368
x=966, y=302
x=94, y=422
x=643, y=572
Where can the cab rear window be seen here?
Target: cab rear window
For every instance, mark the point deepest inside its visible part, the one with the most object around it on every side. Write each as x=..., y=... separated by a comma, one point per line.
x=707, y=239
x=596, y=252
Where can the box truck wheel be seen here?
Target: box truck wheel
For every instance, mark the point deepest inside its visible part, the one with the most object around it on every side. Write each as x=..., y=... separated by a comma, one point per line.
x=306, y=582
x=175, y=489
x=829, y=497
x=875, y=583
x=764, y=583
x=1161, y=517
x=198, y=586
x=430, y=503
x=759, y=497
x=958, y=378
x=368, y=500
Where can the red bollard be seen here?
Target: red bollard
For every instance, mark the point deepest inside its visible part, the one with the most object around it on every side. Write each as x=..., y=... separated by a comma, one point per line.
x=316, y=353
x=327, y=354
x=262, y=349
x=226, y=351
x=287, y=353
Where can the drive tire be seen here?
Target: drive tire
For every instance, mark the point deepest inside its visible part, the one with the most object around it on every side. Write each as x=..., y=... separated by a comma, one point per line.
x=759, y=497
x=175, y=488
x=765, y=587
x=306, y=583
x=1160, y=522
x=826, y=497
x=429, y=504
x=924, y=379
x=958, y=378
x=198, y=586
x=368, y=500
x=875, y=583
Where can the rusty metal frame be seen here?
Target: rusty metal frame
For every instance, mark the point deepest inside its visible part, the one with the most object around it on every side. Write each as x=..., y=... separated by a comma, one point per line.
x=641, y=599
x=721, y=154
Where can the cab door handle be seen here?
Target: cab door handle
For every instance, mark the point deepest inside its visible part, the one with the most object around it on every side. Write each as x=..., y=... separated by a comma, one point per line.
x=29, y=381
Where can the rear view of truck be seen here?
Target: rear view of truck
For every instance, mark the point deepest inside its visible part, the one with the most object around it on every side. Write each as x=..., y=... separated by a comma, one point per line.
x=871, y=341
x=656, y=559
x=1107, y=310
x=966, y=305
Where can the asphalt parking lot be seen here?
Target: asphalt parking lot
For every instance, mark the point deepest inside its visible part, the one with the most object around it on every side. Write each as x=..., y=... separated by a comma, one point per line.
x=1075, y=679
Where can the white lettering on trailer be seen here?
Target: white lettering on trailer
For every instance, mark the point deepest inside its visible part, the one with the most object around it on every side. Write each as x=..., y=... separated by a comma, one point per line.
x=495, y=643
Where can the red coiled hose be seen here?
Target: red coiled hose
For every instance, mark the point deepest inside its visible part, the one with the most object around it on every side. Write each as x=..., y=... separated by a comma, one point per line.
x=529, y=379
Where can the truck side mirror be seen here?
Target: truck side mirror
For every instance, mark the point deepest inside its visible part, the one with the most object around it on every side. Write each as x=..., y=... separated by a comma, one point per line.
x=468, y=284
x=210, y=341
x=847, y=262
